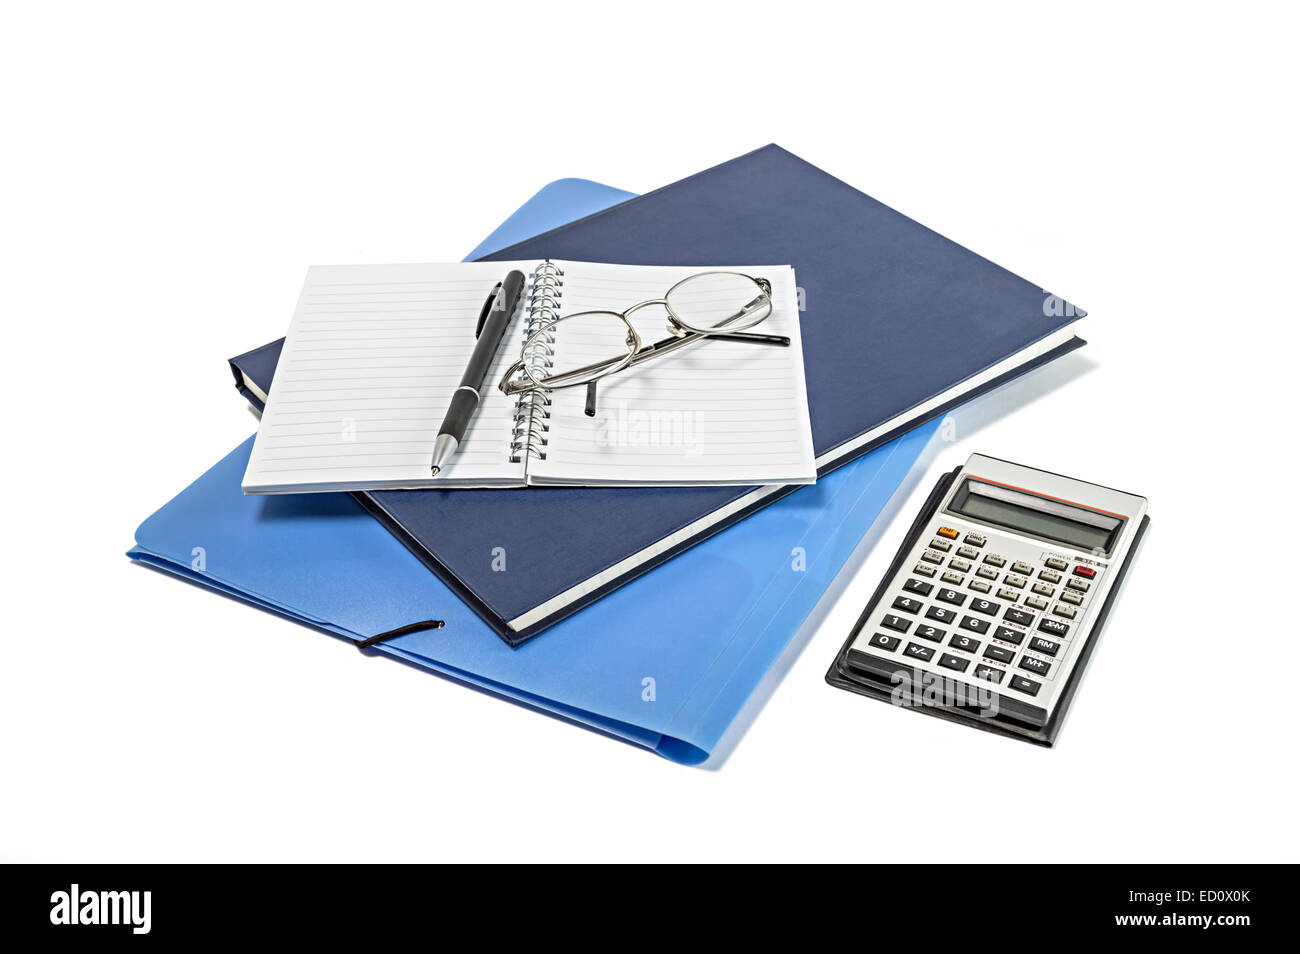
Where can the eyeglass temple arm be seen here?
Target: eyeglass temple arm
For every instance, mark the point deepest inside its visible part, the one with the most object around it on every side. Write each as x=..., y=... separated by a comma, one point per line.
x=745, y=337
x=666, y=345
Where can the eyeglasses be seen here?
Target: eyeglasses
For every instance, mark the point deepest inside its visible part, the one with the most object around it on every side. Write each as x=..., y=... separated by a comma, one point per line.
x=706, y=306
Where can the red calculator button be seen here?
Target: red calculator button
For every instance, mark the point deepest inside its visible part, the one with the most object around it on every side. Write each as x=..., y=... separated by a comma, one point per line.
x=1085, y=571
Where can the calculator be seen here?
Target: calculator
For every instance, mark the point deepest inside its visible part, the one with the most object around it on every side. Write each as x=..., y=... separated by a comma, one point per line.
x=995, y=600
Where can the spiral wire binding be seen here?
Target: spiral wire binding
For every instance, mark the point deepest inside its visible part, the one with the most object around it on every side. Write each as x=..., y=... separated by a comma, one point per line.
x=532, y=412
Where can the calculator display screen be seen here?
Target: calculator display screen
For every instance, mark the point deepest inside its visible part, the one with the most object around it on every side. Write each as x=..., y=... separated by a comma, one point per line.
x=1037, y=516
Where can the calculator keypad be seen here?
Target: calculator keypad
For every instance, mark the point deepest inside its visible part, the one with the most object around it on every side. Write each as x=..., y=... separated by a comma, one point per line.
x=986, y=609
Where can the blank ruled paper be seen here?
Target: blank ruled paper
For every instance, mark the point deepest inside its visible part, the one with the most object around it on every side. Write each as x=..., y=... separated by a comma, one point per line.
x=368, y=369
x=713, y=413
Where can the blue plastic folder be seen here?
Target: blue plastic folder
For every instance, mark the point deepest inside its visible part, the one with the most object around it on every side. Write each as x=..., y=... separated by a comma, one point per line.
x=666, y=662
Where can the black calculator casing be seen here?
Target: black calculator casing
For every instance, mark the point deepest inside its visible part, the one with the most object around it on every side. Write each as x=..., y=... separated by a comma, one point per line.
x=842, y=676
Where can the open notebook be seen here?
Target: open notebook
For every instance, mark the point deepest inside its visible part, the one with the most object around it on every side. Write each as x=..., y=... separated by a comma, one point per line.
x=375, y=352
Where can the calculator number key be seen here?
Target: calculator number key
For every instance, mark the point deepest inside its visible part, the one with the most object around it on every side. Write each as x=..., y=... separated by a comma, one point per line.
x=881, y=641
x=940, y=615
x=907, y=604
x=896, y=623
x=950, y=596
x=930, y=633
x=959, y=641
x=918, y=587
x=986, y=607
x=975, y=624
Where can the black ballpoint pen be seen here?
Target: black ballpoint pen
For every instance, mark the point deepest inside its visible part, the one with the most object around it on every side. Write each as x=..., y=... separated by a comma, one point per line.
x=492, y=322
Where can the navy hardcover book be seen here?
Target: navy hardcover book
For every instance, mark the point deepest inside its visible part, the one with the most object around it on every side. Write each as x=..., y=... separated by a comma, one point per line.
x=899, y=325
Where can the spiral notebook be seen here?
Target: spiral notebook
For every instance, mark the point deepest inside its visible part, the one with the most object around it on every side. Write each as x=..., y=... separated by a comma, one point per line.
x=375, y=352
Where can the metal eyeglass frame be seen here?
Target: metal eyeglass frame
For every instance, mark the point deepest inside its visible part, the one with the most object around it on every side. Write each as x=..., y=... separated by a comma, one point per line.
x=682, y=334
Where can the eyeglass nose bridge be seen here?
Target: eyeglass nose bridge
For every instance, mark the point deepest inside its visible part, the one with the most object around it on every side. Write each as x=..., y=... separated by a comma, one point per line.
x=675, y=328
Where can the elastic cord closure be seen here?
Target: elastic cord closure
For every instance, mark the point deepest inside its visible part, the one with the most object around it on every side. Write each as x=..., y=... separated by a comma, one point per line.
x=365, y=644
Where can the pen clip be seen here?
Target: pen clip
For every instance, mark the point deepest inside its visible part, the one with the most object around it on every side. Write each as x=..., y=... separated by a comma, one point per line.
x=487, y=309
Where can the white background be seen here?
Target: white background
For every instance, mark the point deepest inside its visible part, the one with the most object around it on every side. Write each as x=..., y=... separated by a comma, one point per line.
x=169, y=172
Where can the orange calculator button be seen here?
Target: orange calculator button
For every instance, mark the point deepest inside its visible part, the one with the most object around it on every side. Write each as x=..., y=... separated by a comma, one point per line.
x=948, y=532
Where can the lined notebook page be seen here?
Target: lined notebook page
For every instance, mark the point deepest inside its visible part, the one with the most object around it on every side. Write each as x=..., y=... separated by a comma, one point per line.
x=368, y=369
x=713, y=413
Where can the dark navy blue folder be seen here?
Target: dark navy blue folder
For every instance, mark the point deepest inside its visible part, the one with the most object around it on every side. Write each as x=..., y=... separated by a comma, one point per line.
x=900, y=325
